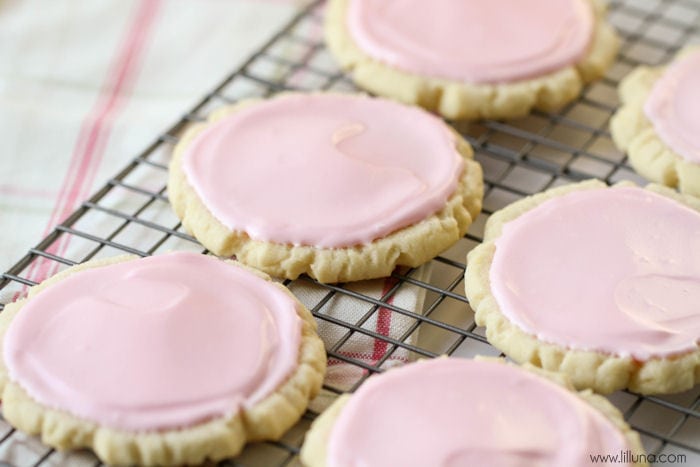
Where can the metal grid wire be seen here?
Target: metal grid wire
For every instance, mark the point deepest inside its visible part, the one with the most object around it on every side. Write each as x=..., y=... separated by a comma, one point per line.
x=130, y=214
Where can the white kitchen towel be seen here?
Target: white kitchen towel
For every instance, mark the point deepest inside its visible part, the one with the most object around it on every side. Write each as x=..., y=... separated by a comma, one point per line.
x=85, y=86
x=364, y=308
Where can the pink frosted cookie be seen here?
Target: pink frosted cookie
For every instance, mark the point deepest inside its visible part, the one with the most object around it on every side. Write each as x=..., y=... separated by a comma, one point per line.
x=473, y=58
x=659, y=121
x=599, y=283
x=166, y=360
x=454, y=412
x=340, y=187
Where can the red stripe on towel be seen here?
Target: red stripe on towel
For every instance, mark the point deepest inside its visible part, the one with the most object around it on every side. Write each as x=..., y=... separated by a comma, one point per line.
x=383, y=326
x=96, y=128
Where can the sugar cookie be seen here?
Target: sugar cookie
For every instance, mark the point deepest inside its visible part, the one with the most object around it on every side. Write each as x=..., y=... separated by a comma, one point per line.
x=598, y=283
x=449, y=411
x=658, y=124
x=166, y=360
x=340, y=187
x=469, y=58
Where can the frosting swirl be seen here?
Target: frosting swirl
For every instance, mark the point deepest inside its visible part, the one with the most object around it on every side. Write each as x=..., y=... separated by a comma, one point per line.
x=321, y=170
x=156, y=343
x=451, y=412
x=673, y=106
x=615, y=270
x=473, y=40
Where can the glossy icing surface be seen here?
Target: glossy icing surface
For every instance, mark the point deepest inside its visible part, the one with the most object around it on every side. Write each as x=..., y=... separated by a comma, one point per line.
x=454, y=412
x=156, y=343
x=473, y=40
x=323, y=170
x=674, y=106
x=613, y=270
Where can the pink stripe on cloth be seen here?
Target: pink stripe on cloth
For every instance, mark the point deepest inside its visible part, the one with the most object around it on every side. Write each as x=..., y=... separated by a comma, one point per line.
x=383, y=325
x=365, y=357
x=96, y=129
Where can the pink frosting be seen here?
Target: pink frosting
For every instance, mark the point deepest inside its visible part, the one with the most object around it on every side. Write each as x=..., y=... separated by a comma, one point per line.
x=452, y=412
x=473, y=40
x=157, y=343
x=674, y=107
x=324, y=170
x=613, y=270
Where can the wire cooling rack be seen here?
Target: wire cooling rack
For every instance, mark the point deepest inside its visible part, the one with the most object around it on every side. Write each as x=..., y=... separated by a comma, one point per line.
x=130, y=214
